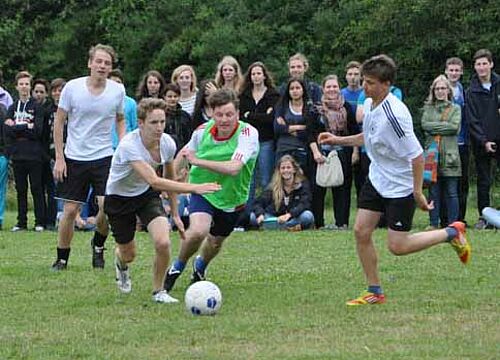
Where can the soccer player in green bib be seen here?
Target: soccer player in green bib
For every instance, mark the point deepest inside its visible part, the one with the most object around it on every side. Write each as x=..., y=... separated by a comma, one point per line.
x=223, y=150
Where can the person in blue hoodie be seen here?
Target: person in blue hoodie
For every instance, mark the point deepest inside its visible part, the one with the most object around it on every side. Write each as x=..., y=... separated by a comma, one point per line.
x=453, y=71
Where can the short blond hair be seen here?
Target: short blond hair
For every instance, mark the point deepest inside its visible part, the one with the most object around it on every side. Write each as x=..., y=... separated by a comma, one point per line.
x=106, y=48
x=301, y=57
x=147, y=105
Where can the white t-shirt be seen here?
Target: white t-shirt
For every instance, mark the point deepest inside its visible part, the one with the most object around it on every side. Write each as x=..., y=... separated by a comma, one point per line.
x=90, y=118
x=391, y=144
x=123, y=180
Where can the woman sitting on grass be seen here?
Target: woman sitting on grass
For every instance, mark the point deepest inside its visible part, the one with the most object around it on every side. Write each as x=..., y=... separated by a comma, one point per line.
x=286, y=203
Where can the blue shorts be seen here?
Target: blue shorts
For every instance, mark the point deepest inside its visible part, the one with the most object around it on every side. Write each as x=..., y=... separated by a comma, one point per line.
x=222, y=222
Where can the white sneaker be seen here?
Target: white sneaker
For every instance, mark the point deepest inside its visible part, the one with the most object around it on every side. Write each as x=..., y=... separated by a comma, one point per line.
x=123, y=279
x=162, y=297
x=39, y=228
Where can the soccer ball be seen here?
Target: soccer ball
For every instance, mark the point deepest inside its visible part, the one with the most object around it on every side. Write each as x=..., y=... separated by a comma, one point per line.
x=203, y=298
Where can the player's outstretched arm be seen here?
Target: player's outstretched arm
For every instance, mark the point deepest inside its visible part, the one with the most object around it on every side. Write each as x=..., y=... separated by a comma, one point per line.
x=229, y=167
x=330, y=139
x=149, y=175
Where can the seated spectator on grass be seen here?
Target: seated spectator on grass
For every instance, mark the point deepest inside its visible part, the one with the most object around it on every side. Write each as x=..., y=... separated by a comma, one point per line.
x=286, y=204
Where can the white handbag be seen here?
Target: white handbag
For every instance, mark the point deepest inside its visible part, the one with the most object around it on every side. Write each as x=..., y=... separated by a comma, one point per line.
x=329, y=173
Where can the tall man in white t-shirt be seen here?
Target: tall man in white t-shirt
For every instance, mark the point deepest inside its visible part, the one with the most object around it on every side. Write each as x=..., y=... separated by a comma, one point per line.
x=394, y=181
x=133, y=190
x=91, y=104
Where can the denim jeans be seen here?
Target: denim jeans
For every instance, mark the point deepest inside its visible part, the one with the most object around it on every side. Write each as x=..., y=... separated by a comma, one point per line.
x=264, y=169
x=305, y=219
x=449, y=187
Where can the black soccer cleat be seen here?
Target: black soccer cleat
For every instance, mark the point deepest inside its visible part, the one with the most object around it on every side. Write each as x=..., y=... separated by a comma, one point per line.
x=59, y=265
x=97, y=256
x=197, y=276
x=170, y=278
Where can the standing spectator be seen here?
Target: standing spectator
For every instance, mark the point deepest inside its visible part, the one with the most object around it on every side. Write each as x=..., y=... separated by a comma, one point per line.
x=23, y=128
x=351, y=94
x=185, y=77
x=91, y=104
x=130, y=109
x=178, y=122
x=353, y=89
x=337, y=118
x=453, y=71
x=482, y=106
x=4, y=164
x=152, y=85
x=228, y=74
x=41, y=90
x=287, y=198
x=298, y=65
x=442, y=118
x=257, y=102
x=5, y=98
x=202, y=111
x=295, y=127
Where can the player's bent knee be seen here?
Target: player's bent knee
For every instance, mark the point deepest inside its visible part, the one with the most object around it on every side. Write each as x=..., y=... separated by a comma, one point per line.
x=127, y=254
x=396, y=248
x=162, y=245
x=71, y=210
x=196, y=235
x=361, y=234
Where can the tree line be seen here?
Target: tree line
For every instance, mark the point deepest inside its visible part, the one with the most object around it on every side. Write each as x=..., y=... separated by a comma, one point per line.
x=51, y=38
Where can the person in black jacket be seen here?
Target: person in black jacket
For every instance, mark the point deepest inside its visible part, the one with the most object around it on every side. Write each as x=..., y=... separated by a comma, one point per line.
x=482, y=106
x=257, y=100
x=178, y=124
x=23, y=129
x=4, y=165
x=287, y=200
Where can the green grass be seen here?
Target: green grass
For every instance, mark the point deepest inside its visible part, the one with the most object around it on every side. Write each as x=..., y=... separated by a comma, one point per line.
x=283, y=298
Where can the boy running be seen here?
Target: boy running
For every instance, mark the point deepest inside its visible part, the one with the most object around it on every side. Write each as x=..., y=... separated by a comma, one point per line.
x=395, y=179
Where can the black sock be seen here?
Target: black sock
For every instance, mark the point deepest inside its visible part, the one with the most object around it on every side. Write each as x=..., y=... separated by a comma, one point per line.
x=63, y=254
x=99, y=239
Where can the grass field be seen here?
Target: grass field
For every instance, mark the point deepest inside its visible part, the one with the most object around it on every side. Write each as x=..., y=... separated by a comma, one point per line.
x=284, y=296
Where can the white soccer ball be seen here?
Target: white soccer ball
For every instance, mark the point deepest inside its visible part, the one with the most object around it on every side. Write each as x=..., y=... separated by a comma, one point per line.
x=203, y=298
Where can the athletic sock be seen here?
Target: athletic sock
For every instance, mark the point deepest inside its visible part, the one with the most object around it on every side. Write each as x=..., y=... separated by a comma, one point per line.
x=63, y=254
x=179, y=265
x=120, y=264
x=99, y=239
x=375, y=289
x=200, y=264
x=452, y=233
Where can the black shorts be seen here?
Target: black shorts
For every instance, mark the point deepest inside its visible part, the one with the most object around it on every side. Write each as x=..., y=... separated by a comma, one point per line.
x=82, y=175
x=122, y=212
x=398, y=211
x=222, y=222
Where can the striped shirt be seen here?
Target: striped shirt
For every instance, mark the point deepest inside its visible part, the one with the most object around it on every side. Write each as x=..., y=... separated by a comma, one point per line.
x=188, y=104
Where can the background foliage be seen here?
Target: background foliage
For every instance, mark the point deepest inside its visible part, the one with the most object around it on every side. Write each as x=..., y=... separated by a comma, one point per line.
x=51, y=38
